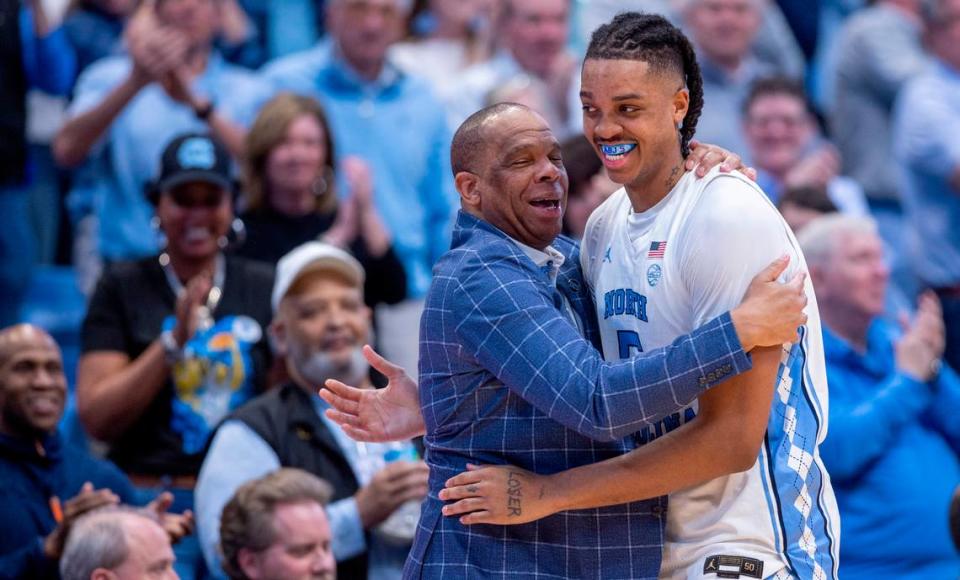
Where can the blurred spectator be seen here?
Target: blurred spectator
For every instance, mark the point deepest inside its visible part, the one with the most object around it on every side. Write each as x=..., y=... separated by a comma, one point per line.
x=926, y=126
x=119, y=544
x=801, y=205
x=803, y=16
x=237, y=36
x=458, y=34
x=285, y=27
x=723, y=32
x=275, y=528
x=893, y=450
x=173, y=343
x=775, y=45
x=319, y=327
x=95, y=28
x=521, y=89
x=393, y=122
x=291, y=183
x=589, y=184
x=533, y=34
x=787, y=149
x=126, y=108
x=38, y=467
x=32, y=55
x=832, y=15
x=878, y=51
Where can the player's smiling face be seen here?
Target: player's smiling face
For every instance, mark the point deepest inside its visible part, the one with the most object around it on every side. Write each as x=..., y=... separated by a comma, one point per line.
x=630, y=115
x=522, y=189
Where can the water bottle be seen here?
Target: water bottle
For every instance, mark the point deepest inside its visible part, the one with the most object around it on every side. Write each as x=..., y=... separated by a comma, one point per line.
x=401, y=526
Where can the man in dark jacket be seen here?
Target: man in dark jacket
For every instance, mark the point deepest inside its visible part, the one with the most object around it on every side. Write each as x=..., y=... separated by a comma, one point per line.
x=47, y=482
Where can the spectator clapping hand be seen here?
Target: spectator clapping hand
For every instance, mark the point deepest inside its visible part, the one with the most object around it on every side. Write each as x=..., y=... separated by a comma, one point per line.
x=176, y=525
x=816, y=169
x=87, y=500
x=156, y=50
x=919, y=351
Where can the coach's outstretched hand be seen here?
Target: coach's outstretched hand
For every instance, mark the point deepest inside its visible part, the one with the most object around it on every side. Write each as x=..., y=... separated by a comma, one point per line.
x=376, y=415
x=771, y=311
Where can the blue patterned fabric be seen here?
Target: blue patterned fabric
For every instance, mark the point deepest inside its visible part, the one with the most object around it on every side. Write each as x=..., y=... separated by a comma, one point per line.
x=492, y=318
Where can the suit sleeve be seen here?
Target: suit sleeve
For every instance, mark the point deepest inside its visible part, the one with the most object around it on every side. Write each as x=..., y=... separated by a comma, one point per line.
x=515, y=329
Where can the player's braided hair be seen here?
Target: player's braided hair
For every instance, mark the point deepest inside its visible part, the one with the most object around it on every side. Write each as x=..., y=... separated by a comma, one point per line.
x=652, y=39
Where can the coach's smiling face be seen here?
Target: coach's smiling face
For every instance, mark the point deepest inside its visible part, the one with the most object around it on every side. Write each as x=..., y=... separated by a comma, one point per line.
x=520, y=184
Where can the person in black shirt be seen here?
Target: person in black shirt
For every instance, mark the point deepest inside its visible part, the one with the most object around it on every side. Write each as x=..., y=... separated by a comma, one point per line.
x=173, y=343
x=291, y=181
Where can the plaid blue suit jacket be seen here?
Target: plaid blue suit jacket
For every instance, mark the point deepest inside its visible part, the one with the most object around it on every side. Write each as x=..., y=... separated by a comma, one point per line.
x=505, y=377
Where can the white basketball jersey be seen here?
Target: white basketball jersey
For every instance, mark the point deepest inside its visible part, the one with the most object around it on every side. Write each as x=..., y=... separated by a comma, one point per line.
x=662, y=273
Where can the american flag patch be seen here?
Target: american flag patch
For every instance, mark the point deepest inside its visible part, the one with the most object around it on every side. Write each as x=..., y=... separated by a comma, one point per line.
x=657, y=249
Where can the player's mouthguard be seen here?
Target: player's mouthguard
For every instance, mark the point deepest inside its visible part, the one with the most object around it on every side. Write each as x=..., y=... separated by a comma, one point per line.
x=618, y=149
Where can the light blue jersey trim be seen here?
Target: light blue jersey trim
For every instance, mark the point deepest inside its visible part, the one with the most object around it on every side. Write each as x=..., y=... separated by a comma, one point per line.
x=787, y=488
x=766, y=476
x=828, y=525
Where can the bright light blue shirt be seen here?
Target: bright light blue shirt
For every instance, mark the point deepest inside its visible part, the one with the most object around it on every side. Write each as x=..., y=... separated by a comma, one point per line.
x=892, y=453
x=926, y=125
x=398, y=126
x=111, y=183
x=238, y=455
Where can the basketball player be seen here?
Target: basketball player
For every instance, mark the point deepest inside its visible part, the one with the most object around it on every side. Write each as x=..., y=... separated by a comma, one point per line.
x=749, y=496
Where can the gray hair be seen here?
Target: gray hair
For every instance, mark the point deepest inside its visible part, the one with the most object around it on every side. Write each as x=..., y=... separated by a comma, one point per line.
x=818, y=239
x=97, y=540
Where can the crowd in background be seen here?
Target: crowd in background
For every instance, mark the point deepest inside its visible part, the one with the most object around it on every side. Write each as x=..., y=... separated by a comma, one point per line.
x=167, y=165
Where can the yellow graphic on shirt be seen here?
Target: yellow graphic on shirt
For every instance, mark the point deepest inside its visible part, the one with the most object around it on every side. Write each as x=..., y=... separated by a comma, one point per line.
x=213, y=378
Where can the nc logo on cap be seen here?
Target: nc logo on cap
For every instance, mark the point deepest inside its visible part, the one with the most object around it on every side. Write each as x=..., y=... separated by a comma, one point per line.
x=196, y=153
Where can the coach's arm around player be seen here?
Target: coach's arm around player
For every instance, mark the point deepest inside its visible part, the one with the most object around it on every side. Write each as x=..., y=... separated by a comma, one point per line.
x=731, y=420
x=769, y=314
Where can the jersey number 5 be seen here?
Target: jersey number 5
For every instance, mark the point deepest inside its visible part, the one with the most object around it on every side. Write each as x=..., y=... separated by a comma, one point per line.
x=628, y=339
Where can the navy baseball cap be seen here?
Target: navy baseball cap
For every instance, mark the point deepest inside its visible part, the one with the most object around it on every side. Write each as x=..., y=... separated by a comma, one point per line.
x=194, y=157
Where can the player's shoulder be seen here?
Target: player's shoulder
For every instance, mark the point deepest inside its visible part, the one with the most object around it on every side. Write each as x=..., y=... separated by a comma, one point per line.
x=725, y=210
x=730, y=199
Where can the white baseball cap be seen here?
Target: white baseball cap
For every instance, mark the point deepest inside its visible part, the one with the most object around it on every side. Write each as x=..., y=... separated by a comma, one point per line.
x=311, y=257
